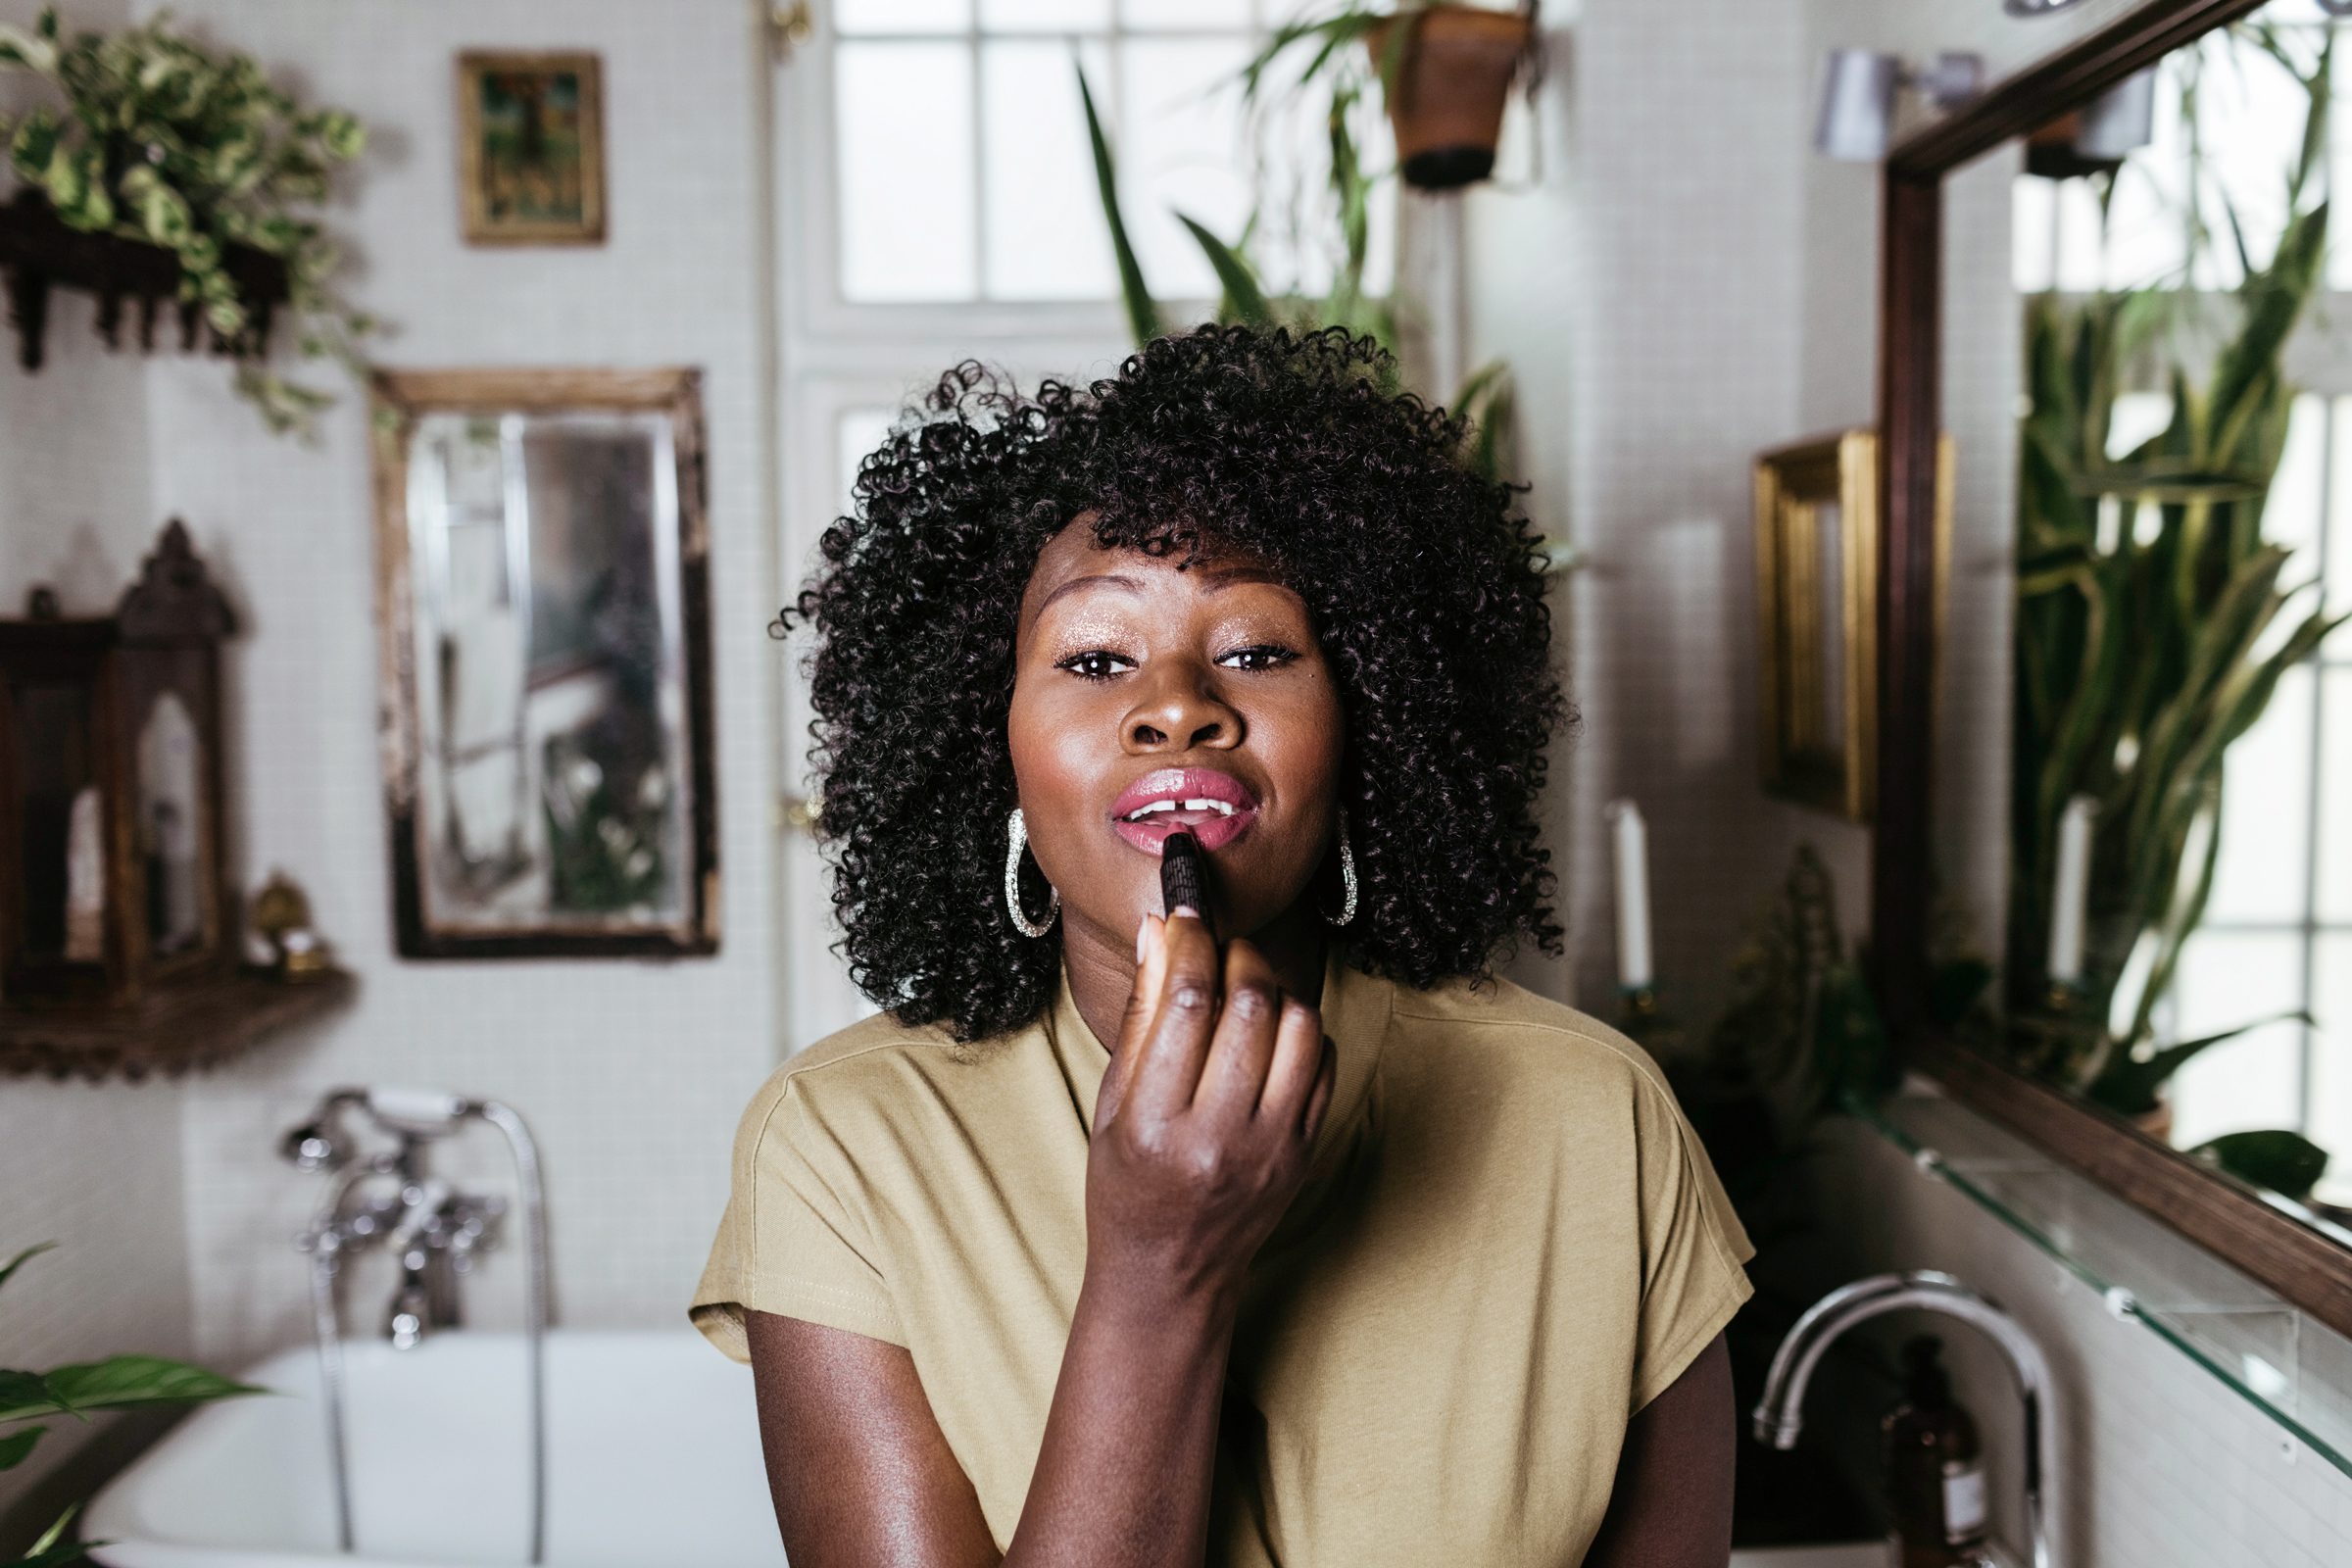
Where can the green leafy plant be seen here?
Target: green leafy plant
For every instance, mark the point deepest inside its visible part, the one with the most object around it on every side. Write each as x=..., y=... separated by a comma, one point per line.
x=2154, y=619
x=118, y=1383
x=161, y=140
x=1484, y=399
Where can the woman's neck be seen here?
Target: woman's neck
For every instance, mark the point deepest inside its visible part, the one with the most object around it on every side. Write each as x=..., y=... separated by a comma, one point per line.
x=1101, y=966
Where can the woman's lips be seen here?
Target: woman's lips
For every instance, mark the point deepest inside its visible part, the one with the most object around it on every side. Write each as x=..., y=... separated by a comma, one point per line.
x=1214, y=829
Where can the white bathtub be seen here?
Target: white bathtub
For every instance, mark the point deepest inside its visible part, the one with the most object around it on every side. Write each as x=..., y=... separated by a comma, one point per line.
x=653, y=1462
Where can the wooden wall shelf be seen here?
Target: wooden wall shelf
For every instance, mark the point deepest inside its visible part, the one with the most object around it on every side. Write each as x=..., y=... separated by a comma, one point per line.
x=193, y=1024
x=40, y=252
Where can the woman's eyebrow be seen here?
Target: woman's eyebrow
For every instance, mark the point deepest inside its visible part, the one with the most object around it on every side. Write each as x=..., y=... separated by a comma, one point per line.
x=1216, y=579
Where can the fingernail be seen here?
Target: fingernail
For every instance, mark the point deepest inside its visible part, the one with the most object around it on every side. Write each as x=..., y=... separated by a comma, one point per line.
x=1184, y=909
x=1142, y=934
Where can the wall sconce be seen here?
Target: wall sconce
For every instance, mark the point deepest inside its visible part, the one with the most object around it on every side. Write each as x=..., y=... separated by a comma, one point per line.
x=1857, y=97
x=2096, y=138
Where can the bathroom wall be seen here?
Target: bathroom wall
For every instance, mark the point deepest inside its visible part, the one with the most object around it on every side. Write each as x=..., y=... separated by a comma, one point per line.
x=632, y=1073
x=1648, y=293
x=96, y=1170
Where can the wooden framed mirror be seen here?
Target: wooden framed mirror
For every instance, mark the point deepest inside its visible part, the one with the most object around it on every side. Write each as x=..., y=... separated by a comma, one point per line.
x=2132, y=777
x=543, y=603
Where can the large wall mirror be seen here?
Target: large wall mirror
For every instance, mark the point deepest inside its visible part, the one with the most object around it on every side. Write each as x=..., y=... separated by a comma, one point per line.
x=2118, y=282
x=543, y=555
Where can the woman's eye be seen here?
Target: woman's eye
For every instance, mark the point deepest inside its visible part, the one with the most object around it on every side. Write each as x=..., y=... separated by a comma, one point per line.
x=1089, y=665
x=1265, y=655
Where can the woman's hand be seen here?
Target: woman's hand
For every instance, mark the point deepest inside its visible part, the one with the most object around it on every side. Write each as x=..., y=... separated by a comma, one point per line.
x=1205, y=1120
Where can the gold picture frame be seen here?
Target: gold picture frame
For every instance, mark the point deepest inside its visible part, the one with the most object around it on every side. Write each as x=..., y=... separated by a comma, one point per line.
x=1817, y=585
x=531, y=147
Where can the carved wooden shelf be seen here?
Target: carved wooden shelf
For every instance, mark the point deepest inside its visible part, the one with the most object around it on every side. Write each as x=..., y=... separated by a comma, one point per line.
x=40, y=252
x=193, y=1024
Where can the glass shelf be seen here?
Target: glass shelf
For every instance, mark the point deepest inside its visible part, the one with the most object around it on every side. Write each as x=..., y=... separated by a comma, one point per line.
x=2296, y=1371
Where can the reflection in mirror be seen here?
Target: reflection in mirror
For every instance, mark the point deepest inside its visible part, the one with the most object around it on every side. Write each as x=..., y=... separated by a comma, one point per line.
x=553, y=755
x=61, y=849
x=171, y=826
x=2178, y=945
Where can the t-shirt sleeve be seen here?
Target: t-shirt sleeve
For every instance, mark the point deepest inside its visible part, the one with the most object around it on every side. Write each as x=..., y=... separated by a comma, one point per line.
x=1692, y=1243
x=795, y=1239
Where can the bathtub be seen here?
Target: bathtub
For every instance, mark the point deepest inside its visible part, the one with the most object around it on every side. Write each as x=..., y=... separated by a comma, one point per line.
x=653, y=1462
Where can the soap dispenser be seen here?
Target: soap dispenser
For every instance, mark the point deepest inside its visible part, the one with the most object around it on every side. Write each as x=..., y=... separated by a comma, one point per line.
x=1935, y=1468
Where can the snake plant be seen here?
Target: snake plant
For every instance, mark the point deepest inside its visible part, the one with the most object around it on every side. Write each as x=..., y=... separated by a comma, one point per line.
x=2154, y=621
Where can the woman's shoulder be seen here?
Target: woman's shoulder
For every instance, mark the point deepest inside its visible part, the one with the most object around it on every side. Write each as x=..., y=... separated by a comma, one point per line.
x=866, y=1071
x=1538, y=1039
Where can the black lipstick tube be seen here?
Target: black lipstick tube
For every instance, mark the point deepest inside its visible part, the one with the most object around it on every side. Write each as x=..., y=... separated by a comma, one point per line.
x=1184, y=875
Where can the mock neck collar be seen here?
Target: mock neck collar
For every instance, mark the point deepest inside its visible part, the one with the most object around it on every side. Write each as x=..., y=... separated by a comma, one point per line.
x=1357, y=1007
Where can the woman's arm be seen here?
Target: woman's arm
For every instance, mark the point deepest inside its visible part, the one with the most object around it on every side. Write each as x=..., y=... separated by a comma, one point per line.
x=1672, y=1506
x=1202, y=1129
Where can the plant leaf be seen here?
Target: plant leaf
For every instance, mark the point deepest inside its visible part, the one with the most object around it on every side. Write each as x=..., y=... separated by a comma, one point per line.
x=17, y=1261
x=1142, y=315
x=17, y=1444
x=124, y=1382
x=1242, y=293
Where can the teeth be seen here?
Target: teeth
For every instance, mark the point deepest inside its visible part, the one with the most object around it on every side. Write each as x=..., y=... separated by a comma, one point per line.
x=1221, y=808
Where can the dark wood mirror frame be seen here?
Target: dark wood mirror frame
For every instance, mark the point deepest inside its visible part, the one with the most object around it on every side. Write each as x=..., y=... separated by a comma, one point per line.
x=2251, y=1231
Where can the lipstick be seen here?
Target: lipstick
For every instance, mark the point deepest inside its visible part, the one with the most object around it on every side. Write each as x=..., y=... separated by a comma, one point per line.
x=1184, y=875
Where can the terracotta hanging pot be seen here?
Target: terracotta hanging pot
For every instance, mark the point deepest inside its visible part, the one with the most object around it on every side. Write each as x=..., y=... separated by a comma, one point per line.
x=1445, y=106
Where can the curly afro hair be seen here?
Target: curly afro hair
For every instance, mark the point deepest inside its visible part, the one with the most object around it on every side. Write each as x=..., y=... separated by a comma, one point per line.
x=1424, y=582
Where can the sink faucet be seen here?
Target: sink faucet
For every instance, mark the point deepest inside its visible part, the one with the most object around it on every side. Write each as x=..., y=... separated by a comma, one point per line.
x=1779, y=1414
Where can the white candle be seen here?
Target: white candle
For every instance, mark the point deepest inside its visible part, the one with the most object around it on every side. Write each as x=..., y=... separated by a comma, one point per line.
x=1633, y=894
x=2070, y=894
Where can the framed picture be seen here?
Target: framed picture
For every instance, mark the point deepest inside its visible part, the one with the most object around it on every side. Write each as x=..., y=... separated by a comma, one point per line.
x=531, y=148
x=544, y=603
x=1817, y=597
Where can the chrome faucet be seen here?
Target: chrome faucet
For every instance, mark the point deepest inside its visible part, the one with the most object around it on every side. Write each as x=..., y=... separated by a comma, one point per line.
x=1779, y=1414
x=432, y=1230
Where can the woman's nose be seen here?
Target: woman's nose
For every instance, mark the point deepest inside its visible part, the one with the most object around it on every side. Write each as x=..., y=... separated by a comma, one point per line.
x=1181, y=707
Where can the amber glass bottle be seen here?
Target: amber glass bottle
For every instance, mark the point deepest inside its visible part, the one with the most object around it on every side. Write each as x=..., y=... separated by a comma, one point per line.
x=1934, y=1469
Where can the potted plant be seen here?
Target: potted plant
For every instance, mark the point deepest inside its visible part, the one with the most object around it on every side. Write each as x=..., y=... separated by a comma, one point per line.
x=162, y=146
x=118, y=1383
x=1444, y=72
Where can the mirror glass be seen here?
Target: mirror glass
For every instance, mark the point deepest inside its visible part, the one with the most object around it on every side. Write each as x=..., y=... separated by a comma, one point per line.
x=554, y=775
x=62, y=848
x=2145, y=733
x=171, y=828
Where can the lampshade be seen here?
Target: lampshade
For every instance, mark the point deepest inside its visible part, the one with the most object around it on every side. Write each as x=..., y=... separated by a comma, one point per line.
x=2122, y=120
x=1857, y=105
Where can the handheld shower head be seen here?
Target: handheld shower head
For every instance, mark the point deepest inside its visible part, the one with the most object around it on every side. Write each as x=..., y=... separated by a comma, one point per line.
x=310, y=1147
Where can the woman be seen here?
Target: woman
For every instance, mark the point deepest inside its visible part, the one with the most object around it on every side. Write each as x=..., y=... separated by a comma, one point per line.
x=1282, y=1232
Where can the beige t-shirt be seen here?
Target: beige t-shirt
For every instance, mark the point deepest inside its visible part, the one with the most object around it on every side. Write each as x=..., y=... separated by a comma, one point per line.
x=1509, y=1241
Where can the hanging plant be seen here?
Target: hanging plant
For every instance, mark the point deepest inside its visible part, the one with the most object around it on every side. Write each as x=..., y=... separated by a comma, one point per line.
x=162, y=141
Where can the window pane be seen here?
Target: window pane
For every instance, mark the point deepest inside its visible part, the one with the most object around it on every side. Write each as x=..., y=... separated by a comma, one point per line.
x=2290, y=515
x=1184, y=15
x=2335, y=798
x=903, y=120
x=1046, y=240
x=854, y=16
x=855, y=432
x=2032, y=234
x=2331, y=1124
x=2228, y=979
x=2339, y=505
x=2266, y=811
x=1044, y=16
x=1180, y=150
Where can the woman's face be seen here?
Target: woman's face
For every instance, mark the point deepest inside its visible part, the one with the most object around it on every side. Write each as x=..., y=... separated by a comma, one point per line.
x=1135, y=684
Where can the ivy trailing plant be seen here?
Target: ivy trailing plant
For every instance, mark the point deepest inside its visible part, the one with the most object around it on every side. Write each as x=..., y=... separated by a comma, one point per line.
x=118, y=1383
x=162, y=140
